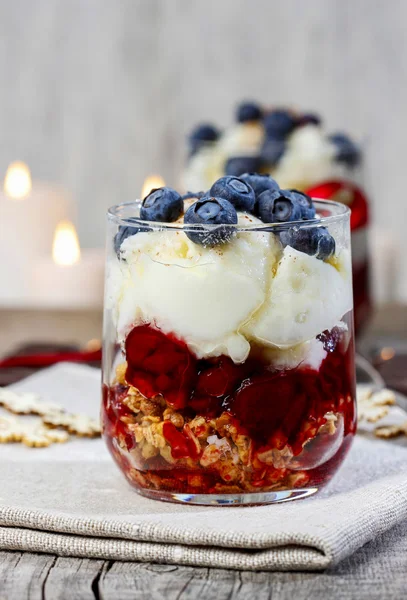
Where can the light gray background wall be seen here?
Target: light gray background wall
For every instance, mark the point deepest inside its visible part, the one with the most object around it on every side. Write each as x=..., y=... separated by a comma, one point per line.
x=96, y=94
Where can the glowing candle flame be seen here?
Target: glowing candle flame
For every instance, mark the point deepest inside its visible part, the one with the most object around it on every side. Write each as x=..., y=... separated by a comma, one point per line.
x=387, y=353
x=17, y=183
x=150, y=183
x=65, y=248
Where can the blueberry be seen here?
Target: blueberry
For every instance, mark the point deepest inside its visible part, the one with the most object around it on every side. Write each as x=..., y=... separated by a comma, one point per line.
x=200, y=135
x=330, y=339
x=236, y=191
x=306, y=203
x=241, y=164
x=278, y=206
x=260, y=182
x=279, y=123
x=189, y=195
x=126, y=231
x=346, y=151
x=310, y=119
x=162, y=204
x=315, y=241
x=272, y=150
x=248, y=111
x=211, y=211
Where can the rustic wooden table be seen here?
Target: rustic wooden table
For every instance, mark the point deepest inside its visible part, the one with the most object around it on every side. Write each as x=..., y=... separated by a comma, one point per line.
x=376, y=571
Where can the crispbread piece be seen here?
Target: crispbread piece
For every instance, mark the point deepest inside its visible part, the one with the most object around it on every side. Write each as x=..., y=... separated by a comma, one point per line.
x=53, y=416
x=373, y=406
x=9, y=429
x=31, y=433
x=79, y=424
x=38, y=436
x=27, y=404
x=391, y=431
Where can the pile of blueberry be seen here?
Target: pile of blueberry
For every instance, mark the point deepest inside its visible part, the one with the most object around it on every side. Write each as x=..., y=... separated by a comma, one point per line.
x=278, y=125
x=252, y=193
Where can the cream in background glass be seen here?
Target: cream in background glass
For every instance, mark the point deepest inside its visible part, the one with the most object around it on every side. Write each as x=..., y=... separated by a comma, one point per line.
x=228, y=372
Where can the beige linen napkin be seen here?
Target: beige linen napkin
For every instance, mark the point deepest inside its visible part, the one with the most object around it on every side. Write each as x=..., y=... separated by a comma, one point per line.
x=71, y=500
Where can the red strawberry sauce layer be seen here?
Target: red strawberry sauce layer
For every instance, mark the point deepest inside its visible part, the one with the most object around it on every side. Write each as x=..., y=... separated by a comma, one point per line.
x=275, y=409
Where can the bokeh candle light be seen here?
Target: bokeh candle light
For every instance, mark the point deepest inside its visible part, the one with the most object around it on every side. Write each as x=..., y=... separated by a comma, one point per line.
x=71, y=278
x=17, y=183
x=29, y=213
x=151, y=182
x=65, y=247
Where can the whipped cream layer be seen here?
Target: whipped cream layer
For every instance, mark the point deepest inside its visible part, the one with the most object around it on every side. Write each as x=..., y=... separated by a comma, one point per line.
x=221, y=300
x=306, y=297
x=201, y=295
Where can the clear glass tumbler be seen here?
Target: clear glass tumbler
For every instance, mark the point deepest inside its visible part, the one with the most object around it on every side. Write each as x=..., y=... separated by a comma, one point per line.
x=228, y=372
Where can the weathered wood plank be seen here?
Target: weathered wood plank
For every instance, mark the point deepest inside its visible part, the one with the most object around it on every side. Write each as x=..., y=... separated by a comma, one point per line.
x=43, y=577
x=376, y=571
x=73, y=579
x=128, y=581
x=22, y=575
x=135, y=580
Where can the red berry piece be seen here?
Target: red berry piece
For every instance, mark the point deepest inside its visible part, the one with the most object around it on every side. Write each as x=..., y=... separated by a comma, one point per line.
x=219, y=380
x=262, y=403
x=207, y=406
x=181, y=442
x=159, y=364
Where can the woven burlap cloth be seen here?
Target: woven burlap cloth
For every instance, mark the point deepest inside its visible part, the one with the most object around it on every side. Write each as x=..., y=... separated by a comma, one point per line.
x=71, y=500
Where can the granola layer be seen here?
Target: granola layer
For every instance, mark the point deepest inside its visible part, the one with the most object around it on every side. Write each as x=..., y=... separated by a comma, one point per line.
x=214, y=450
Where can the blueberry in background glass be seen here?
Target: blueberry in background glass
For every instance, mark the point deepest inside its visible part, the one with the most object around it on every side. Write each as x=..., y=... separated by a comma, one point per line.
x=272, y=150
x=163, y=204
x=248, y=111
x=346, y=151
x=279, y=123
x=310, y=119
x=200, y=135
x=236, y=191
x=211, y=211
x=242, y=164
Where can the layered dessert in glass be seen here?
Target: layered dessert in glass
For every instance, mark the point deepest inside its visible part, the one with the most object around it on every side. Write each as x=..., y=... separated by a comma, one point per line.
x=228, y=373
x=295, y=148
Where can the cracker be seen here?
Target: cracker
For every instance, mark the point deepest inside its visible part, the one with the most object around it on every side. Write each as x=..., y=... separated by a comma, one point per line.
x=38, y=436
x=32, y=433
x=373, y=406
x=391, y=431
x=53, y=416
x=9, y=430
x=77, y=424
x=27, y=404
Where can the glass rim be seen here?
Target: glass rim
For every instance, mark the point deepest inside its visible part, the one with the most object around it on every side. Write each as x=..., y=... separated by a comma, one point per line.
x=339, y=212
